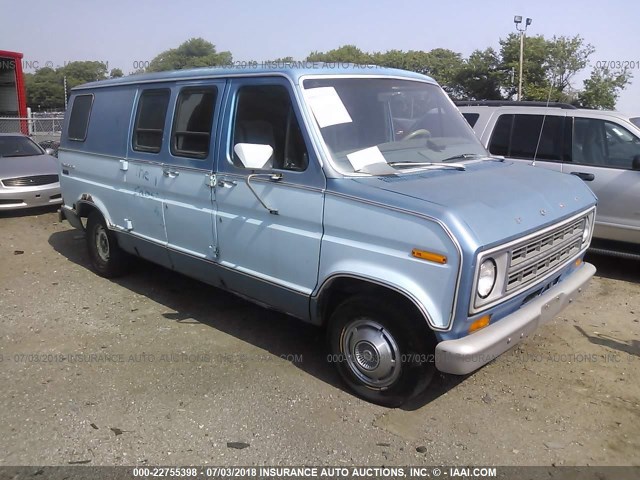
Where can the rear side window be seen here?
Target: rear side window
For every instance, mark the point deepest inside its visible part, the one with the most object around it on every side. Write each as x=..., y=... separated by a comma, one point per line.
x=471, y=118
x=79, y=120
x=519, y=136
x=192, y=123
x=150, y=119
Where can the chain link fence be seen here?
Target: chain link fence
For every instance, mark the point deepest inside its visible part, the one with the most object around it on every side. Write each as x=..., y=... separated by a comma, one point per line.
x=33, y=126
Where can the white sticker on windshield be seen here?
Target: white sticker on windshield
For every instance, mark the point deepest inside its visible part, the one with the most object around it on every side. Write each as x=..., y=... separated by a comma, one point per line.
x=327, y=106
x=366, y=157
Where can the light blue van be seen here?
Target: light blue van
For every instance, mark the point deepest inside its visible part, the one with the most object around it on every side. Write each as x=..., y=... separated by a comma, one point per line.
x=357, y=198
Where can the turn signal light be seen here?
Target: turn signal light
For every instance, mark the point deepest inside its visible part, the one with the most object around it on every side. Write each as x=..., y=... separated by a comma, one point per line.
x=429, y=256
x=480, y=323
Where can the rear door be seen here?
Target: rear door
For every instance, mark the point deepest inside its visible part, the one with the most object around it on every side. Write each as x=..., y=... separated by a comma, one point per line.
x=602, y=155
x=187, y=170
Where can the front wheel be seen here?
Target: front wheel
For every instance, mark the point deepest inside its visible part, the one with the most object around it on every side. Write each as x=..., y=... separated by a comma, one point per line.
x=107, y=258
x=382, y=351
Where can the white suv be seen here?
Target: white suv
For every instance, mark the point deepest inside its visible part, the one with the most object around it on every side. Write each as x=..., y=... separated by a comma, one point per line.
x=601, y=147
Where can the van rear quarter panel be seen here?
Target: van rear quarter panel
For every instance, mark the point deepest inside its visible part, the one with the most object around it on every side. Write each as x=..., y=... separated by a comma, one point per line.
x=93, y=165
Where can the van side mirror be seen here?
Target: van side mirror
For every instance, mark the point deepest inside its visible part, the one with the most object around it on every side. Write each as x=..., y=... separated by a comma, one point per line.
x=635, y=164
x=254, y=155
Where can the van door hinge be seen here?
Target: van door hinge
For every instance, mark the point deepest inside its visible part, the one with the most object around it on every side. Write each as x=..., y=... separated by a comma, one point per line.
x=210, y=180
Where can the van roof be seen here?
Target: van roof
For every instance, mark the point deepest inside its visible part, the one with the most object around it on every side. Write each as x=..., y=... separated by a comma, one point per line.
x=292, y=70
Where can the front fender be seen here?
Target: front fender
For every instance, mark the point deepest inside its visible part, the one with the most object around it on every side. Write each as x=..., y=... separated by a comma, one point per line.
x=375, y=243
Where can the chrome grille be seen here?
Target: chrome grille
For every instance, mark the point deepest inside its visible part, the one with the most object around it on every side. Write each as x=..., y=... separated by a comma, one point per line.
x=542, y=254
x=32, y=181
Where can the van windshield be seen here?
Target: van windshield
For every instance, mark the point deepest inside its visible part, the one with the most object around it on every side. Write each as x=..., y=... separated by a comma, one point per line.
x=384, y=125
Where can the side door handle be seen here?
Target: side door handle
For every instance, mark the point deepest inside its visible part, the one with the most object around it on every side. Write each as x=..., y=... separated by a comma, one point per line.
x=226, y=183
x=587, y=177
x=170, y=172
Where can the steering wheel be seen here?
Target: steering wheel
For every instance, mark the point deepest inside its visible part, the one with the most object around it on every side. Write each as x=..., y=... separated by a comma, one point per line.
x=422, y=132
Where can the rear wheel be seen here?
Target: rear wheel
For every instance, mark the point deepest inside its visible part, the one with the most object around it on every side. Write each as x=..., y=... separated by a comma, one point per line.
x=382, y=351
x=107, y=258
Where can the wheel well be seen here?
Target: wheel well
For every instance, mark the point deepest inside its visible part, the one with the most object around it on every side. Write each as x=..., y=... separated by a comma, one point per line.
x=342, y=288
x=84, y=209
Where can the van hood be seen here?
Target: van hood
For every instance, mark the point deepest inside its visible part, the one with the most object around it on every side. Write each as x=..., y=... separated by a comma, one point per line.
x=490, y=202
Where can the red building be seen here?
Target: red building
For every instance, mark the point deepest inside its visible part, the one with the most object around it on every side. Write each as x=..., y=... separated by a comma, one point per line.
x=13, y=101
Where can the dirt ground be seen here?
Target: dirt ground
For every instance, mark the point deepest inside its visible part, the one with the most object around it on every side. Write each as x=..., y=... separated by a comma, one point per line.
x=158, y=369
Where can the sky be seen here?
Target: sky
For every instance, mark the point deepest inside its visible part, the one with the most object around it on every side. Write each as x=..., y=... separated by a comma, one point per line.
x=128, y=33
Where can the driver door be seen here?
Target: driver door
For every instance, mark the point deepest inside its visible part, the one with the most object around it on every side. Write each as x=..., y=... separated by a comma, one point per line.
x=269, y=220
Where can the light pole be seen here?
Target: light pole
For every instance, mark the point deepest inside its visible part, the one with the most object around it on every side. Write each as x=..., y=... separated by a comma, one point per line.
x=522, y=29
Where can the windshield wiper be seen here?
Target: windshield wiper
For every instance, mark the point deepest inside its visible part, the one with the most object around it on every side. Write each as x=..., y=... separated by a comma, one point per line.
x=463, y=156
x=429, y=165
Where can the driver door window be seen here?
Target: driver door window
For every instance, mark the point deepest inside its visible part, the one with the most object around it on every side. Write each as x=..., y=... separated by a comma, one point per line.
x=265, y=116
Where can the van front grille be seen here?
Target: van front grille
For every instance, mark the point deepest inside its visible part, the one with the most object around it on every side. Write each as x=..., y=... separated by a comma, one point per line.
x=538, y=256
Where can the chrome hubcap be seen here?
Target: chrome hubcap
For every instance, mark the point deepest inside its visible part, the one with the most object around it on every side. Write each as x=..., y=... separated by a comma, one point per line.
x=102, y=243
x=371, y=353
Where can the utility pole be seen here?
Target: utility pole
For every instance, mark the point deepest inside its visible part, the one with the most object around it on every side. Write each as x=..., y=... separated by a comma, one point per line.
x=518, y=21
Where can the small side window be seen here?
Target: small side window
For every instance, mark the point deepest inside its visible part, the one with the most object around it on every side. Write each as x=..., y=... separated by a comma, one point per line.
x=150, y=118
x=192, y=123
x=79, y=121
x=471, y=118
x=499, y=144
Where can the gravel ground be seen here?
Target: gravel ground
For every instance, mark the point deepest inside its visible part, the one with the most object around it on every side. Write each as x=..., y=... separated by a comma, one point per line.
x=155, y=368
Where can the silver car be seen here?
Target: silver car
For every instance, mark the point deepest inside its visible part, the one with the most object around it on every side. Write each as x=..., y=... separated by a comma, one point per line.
x=28, y=174
x=600, y=147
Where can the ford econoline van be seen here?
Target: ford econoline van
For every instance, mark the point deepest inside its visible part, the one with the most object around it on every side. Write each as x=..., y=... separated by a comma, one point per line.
x=356, y=198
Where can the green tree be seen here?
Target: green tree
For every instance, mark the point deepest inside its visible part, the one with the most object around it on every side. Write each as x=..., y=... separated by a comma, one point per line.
x=195, y=52
x=78, y=73
x=389, y=59
x=482, y=77
x=565, y=58
x=116, y=73
x=603, y=87
x=45, y=89
x=343, y=54
x=535, y=85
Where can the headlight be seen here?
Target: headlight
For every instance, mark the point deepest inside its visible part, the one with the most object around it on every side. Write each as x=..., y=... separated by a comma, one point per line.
x=487, y=277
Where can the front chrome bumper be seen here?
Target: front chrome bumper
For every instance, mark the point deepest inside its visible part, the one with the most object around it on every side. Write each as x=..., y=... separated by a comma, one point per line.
x=469, y=353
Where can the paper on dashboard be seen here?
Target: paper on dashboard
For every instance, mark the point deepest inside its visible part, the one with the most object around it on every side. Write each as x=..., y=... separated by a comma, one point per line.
x=363, y=158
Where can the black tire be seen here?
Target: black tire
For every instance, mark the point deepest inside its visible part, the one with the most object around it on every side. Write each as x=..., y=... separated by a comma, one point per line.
x=354, y=323
x=107, y=258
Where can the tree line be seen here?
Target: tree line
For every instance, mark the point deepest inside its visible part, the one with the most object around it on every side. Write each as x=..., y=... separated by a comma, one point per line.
x=549, y=70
